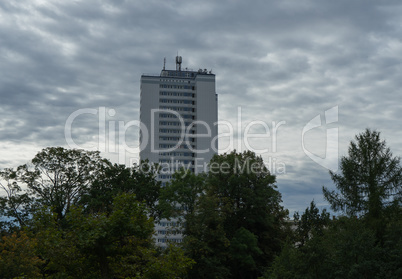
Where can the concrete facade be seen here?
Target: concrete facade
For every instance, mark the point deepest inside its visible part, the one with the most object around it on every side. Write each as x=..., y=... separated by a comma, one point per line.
x=178, y=111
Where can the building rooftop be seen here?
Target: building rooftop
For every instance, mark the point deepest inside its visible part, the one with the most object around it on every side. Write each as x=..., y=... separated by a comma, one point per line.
x=186, y=73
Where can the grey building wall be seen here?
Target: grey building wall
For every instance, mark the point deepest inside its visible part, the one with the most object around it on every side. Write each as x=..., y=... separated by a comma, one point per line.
x=178, y=111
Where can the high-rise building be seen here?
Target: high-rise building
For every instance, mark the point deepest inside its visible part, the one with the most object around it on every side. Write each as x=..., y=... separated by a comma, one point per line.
x=179, y=110
x=179, y=113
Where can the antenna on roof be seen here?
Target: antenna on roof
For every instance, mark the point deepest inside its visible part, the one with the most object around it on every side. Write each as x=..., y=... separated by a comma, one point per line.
x=164, y=63
x=178, y=62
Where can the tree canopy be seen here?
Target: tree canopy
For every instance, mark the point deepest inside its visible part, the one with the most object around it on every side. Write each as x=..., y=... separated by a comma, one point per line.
x=370, y=178
x=234, y=223
x=367, y=242
x=73, y=214
x=370, y=181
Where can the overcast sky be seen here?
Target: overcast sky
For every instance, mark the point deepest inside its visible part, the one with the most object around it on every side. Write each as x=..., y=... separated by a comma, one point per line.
x=285, y=62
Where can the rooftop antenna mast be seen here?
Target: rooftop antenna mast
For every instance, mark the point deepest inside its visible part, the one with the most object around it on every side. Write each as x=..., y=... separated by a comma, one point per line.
x=178, y=63
x=164, y=63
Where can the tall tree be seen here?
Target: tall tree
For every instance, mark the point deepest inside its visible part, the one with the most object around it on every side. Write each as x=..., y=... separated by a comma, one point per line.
x=15, y=205
x=117, y=179
x=238, y=212
x=115, y=244
x=179, y=197
x=346, y=248
x=58, y=177
x=249, y=198
x=310, y=223
x=18, y=256
x=370, y=179
x=205, y=240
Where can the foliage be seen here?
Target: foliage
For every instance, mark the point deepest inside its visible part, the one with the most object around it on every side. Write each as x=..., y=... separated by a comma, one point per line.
x=100, y=236
x=370, y=179
x=117, y=179
x=179, y=197
x=57, y=247
x=243, y=252
x=365, y=244
x=234, y=223
x=57, y=177
x=171, y=263
x=205, y=240
x=61, y=178
x=311, y=223
x=248, y=198
x=72, y=214
x=346, y=249
x=114, y=245
x=18, y=256
x=15, y=206
x=76, y=215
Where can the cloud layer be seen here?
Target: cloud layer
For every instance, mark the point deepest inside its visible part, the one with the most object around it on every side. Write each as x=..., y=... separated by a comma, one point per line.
x=278, y=60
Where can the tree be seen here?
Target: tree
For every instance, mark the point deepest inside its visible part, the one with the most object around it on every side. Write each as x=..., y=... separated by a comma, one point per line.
x=58, y=177
x=304, y=253
x=205, y=240
x=146, y=187
x=238, y=211
x=58, y=248
x=345, y=249
x=120, y=234
x=248, y=197
x=76, y=215
x=286, y=265
x=15, y=205
x=171, y=263
x=18, y=256
x=243, y=252
x=179, y=196
x=117, y=179
x=311, y=223
x=117, y=244
x=370, y=179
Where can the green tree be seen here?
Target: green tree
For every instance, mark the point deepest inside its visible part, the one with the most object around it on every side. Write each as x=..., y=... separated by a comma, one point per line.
x=117, y=179
x=304, y=253
x=170, y=263
x=352, y=250
x=391, y=252
x=365, y=244
x=249, y=198
x=85, y=218
x=243, y=252
x=18, y=256
x=370, y=180
x=179, y=196
x=15, y=206
x=310, y=223
x=345, y=249
x=205, y=240
x=57, y=177
x=100, y=236
x=58, y=248
x=287, y=264
x=238, y=211
x=117, y=244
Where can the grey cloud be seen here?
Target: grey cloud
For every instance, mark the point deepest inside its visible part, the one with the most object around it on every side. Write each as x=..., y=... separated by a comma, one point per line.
x=278, y=60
